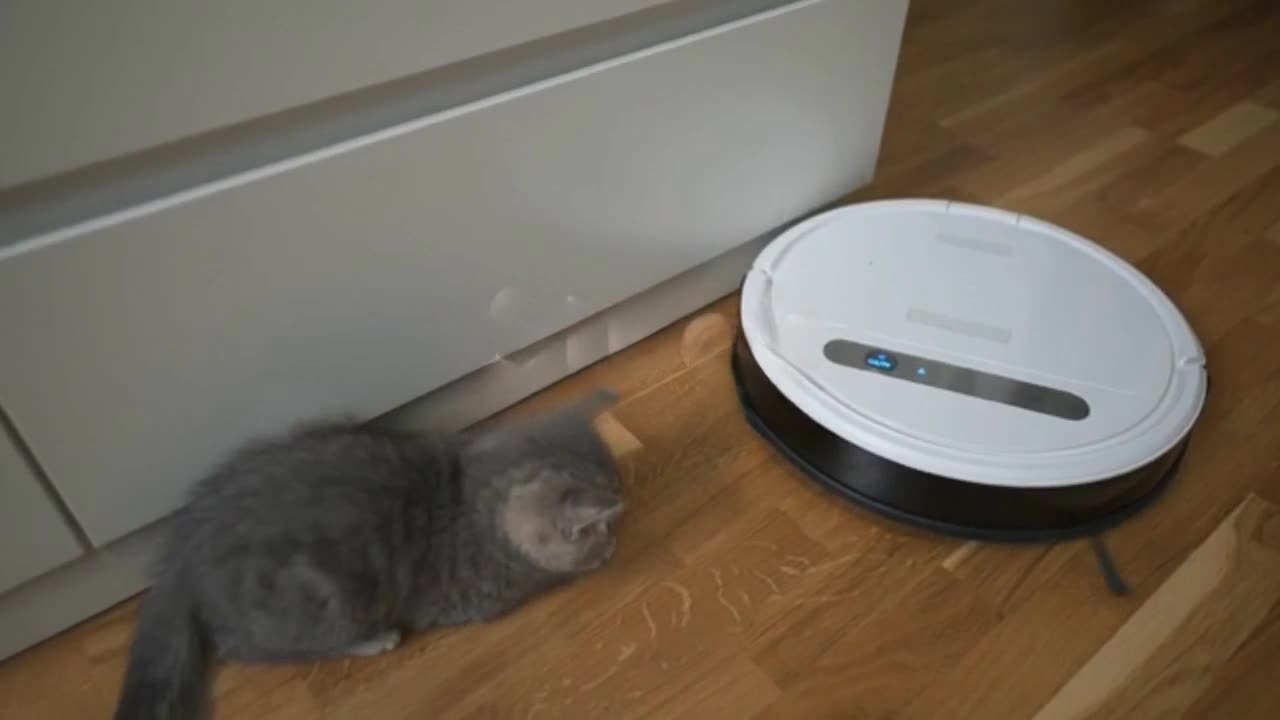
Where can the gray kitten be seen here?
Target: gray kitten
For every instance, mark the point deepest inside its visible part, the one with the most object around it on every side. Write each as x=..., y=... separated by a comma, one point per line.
x=335, y=539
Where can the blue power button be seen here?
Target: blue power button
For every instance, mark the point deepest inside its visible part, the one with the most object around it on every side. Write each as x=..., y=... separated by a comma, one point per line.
x=881, y=360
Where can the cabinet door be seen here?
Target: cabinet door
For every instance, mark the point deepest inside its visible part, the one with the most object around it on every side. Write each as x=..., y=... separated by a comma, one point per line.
x=143, y=346
x=73, y=74
x=34, y=538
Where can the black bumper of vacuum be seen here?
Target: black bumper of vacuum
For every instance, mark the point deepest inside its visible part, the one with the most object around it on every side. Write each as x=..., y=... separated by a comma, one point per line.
x=932, y=502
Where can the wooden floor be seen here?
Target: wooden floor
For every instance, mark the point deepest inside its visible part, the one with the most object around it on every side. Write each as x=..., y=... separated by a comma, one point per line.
x=740, y=591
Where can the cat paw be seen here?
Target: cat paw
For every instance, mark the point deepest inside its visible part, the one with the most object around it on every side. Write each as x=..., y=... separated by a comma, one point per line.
x=378, y=645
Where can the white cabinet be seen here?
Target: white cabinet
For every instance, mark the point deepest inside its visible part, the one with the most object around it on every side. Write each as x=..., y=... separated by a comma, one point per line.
x=34, y=538
x=74, y=74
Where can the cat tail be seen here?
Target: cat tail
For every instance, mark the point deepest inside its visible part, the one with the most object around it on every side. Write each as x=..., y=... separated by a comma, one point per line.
x=169, y=660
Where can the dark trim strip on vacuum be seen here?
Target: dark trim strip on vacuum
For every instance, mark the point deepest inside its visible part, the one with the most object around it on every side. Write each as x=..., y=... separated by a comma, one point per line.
x=957, y=379
x=935, y=503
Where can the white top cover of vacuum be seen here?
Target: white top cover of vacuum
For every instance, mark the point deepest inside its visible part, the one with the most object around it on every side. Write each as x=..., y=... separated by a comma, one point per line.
x=984, y=290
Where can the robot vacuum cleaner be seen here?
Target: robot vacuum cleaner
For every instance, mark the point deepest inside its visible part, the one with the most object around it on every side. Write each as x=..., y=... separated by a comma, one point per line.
x=969, y=370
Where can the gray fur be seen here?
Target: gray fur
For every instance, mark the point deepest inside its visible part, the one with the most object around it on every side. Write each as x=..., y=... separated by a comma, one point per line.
x=335, y=539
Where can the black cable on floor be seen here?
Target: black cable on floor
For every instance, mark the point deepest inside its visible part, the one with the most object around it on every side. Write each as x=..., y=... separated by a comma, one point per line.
x=1107, y=565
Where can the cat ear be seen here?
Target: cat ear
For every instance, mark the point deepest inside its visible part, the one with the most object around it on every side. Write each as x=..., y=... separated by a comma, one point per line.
x=571, y=426
x=581, y=508
x=590, y=407
x=581, y=412
x=568, y=420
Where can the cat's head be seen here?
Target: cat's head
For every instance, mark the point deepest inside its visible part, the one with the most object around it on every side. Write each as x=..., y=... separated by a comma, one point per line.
x=558, y=493
x=560, y=521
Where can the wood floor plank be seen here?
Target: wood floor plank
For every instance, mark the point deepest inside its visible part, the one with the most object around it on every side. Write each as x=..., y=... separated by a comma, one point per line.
x=1220, y=178
x=879, y=664
x=1113, y=228
x=1131, y=44
x=1143, y=184
x=737, y=510
x=1269, y=95
x=1244, y=687
x=685, y=464
x=869, y=575
x=1006, y=576
x=660, y=645
x=1250, y=210
x=1221, y=275
x=1079, y=176
x=1010, y=671
x=1230, y=128
x=465, y=664
x=1161, y=660
x=738, y=690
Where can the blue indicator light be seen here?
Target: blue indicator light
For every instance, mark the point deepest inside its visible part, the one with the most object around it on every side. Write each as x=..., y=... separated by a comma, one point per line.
x=881, y=361
x=921, y=372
